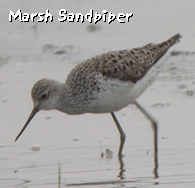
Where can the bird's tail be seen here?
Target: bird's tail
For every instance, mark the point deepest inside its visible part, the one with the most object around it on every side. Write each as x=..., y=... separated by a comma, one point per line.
x=160, y=49
x=173, y=40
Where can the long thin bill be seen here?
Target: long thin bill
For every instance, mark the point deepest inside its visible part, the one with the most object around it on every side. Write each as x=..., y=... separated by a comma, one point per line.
x=34, y=111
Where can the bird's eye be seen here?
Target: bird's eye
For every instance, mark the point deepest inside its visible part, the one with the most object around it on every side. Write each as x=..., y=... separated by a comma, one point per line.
x=44, y=96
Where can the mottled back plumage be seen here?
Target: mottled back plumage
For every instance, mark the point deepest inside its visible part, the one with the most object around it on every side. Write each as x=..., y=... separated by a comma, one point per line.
x=125, y=65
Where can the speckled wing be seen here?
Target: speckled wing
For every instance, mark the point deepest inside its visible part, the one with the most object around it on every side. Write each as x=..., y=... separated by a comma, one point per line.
x=125, y=65
x=132, y=65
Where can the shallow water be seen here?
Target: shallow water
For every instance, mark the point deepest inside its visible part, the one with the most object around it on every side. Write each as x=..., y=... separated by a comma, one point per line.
x=76, y=142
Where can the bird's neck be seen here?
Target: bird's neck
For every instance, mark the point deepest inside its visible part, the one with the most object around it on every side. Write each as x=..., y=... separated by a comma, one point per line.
x=68, y=101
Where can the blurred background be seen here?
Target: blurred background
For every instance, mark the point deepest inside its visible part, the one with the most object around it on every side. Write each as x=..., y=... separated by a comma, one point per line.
x=30, y=51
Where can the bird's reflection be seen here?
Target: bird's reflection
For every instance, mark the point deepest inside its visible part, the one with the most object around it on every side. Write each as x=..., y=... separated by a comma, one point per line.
x=121, y=167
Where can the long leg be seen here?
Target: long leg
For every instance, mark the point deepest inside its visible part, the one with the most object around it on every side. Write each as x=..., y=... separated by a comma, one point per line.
x=155, y=129
x=122, y=134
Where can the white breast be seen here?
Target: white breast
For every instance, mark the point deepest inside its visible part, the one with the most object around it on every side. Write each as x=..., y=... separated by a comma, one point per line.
x=113, y=95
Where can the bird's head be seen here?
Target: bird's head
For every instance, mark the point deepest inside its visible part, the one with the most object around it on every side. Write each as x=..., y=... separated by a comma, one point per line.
x=44, y=94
